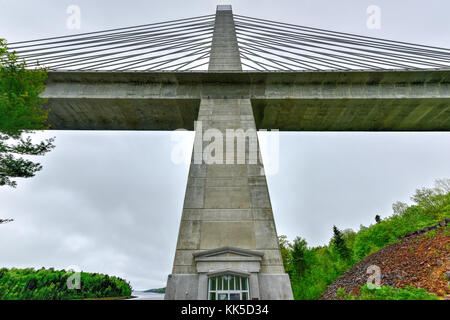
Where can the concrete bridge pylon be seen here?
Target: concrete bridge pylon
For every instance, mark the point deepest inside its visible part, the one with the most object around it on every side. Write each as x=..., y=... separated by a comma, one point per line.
x=227, y=243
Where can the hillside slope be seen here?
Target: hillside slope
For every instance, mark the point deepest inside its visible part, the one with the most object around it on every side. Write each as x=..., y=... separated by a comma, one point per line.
x=421, y=260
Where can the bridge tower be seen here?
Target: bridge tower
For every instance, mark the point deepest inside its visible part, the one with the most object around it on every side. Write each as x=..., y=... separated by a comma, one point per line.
x=227, y=243
x=325, y=81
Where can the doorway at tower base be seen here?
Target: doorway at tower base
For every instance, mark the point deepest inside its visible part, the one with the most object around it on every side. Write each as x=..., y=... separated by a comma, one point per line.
x=228, y=273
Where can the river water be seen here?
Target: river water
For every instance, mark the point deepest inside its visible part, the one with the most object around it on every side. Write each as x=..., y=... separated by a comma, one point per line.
x=140, y=295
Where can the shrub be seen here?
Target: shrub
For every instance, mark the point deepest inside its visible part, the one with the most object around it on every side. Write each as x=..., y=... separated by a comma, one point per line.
x=312, y=269
x=387, y=293
x=50, y=284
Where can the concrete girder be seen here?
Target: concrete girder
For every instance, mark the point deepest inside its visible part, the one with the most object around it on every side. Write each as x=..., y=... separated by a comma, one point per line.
x=342, y=101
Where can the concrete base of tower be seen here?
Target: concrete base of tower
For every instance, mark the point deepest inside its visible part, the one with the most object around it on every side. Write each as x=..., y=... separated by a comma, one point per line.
x=195, y=287
x=275, y=287
x=182, y=287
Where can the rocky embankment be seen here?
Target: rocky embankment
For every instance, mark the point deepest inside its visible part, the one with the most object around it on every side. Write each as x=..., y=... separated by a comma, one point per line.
x=421, y=259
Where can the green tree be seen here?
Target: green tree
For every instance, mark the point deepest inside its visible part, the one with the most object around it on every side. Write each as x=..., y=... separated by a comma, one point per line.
x=377, y=218
x=299, y=252
x=50, y=284
x=424, y=197
x=318, y=267
x=339, y=244
x=21, y=112
x=399, y=208
x=286, y=253
x=442, y=186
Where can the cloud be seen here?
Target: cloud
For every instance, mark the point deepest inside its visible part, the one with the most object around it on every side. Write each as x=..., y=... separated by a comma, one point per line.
x=111, y=201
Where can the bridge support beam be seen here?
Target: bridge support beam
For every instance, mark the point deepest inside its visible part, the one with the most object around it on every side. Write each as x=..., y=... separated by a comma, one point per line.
x=227, y=229
x=293, y=101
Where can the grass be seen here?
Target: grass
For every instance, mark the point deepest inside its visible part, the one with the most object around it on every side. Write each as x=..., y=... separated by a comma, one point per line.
x=387, y=293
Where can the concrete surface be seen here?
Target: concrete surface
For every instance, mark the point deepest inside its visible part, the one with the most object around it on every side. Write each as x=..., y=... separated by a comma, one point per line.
x=227, y=205
x=352, y=100
x=220, y=228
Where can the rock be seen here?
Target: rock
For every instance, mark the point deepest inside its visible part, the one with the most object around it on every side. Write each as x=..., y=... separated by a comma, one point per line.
x=410, y=262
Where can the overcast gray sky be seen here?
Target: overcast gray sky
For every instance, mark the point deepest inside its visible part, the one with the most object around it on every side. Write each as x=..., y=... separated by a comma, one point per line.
x=111, y=202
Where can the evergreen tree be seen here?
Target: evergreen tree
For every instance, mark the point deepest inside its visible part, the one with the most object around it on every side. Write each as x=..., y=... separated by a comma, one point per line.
x=339, y=244
x=21, y=112
x=377, y=218
x=5, y=220
x=299, y=251
x=286, y=253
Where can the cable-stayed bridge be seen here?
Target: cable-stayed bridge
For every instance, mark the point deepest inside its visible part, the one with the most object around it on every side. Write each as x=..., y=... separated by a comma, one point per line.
x=237, y=74
x=265, y=45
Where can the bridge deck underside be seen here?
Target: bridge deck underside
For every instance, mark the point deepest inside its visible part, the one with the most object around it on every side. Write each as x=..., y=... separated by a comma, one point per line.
x=340, y=101
x=353, y=114
x=282, y=114
x=122, y=114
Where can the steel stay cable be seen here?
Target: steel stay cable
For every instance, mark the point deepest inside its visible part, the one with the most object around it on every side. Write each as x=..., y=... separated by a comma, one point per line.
x=175, y=59
x=299, y=62
x=140, y=63
x=113, y=56
x=342, y=34
x=108, y=30
x=338, y=43
x=206, y=55
x=347, y=55
x=321, y=59
x=284, y=62
x=287, y=33
x=296, y=60
x=187, y=44
x=168, y=34
x=158, y=44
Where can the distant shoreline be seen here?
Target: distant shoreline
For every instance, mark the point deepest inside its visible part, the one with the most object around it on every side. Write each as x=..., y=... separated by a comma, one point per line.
x=145, y=295
x=156, y=290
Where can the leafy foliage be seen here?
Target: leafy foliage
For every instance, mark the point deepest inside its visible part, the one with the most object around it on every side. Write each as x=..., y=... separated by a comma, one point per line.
x=339, y=244
x=430, y=208
x=387, y=293
x=312, y=269
x=299, y=256
x=21, y=112
x=156, y=290
x=285, y=249
x=50, y=284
